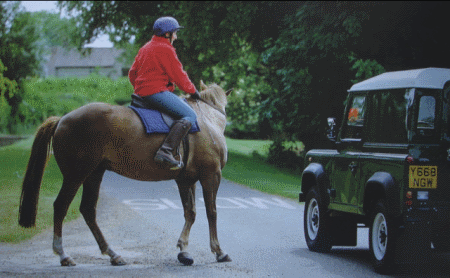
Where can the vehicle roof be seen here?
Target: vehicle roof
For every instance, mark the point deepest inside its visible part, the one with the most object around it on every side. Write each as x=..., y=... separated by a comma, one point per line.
x=433, y=78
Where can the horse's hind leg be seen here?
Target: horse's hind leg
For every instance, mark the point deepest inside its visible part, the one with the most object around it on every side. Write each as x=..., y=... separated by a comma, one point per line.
x=187, y=194
x=210, y=184
x=91, y=189
x=60, y=206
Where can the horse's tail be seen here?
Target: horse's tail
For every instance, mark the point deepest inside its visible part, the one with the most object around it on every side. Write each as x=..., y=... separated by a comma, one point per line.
x=40, y=152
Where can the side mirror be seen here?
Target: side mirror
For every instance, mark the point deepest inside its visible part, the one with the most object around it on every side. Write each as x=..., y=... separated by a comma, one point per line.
x=331, y=132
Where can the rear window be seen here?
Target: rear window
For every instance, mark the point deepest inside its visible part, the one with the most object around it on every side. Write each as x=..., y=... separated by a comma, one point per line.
x=426, y=125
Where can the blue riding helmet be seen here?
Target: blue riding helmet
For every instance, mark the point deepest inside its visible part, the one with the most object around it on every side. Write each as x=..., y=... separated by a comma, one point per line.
x=166, y=24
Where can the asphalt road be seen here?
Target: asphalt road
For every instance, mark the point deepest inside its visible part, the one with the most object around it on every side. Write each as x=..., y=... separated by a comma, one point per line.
x=263, y=234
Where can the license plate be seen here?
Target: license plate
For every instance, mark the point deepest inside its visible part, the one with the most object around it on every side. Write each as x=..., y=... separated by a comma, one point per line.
x=422, y=176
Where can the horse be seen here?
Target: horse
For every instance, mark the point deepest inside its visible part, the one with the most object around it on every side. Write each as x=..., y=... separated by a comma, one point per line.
x=98, y=137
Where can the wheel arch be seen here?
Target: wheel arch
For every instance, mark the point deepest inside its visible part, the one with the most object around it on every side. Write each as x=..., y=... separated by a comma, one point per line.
x=381, y=185
x=314, y=175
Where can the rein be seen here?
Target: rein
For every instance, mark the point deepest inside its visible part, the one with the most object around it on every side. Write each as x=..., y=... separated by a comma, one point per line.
x=213, y=106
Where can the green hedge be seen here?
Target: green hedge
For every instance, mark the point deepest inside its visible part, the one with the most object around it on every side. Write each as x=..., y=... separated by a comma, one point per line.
x=57, y=96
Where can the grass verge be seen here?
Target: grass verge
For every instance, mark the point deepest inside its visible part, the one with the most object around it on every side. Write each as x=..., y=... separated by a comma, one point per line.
x=13, y=163
x=246, y=165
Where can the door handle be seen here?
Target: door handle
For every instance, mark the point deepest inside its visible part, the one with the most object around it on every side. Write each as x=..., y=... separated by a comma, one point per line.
x=353, y=167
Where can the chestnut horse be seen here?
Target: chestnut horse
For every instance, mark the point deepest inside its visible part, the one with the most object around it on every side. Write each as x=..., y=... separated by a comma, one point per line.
x=99, y=137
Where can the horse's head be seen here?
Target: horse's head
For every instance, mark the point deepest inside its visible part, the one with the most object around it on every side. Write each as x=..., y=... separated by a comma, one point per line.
x=215, y=94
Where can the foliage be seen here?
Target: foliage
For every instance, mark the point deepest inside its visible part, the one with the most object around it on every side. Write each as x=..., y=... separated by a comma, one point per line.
x=365, y=69
x=8, y=88
x=244, y=73
x=18, y=37
x=54, y=31
x=210, y=26
x=286, y=154
x=311, y=59
x=19, y=53
x=56, y=97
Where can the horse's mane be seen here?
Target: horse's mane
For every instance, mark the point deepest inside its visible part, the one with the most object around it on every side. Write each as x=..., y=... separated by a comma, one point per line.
x=215, y=94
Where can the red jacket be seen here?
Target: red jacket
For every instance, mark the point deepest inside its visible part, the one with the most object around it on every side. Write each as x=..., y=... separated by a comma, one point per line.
x=155, y=67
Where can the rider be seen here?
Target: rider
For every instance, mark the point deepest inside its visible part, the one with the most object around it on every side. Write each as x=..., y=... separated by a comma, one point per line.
x=154, y=73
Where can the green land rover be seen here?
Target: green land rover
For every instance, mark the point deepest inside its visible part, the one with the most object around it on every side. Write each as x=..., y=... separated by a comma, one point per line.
x=389, y=170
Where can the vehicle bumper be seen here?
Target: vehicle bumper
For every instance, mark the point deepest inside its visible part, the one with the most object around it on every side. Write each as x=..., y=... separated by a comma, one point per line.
x=427, y=215
x=417, y=230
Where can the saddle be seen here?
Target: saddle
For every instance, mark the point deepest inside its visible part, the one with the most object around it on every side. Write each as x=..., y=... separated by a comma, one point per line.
x=154, y=120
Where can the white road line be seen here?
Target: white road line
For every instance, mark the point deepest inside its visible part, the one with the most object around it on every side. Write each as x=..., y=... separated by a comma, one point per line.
x=259, y=202
x=221, y=203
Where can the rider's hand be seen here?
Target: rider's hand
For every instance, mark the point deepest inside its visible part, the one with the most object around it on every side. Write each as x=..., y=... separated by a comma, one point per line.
x=195, y=95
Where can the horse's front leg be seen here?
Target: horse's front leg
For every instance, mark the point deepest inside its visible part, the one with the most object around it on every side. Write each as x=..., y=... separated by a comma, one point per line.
x=187, y=194
x=210, y=185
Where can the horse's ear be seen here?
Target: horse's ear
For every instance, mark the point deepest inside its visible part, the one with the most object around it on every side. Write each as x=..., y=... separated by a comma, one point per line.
x=202, y=85
x=227, y=93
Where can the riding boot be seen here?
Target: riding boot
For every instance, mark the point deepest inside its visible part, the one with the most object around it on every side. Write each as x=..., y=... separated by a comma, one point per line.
x=177, y=132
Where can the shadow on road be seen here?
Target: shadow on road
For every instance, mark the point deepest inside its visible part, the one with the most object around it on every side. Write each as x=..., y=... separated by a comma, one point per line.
x=338, y=260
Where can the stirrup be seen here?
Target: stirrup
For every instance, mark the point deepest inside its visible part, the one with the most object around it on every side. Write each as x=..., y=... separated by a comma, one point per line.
x=162, y=160
x=180, y=163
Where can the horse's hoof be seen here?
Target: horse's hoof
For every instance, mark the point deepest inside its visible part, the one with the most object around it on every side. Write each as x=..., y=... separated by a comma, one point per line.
x=185, y=258
x=117, y=261
x=223, y=258
x=68, y=262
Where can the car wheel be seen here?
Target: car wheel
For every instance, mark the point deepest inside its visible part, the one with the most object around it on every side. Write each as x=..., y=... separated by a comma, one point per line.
x=315, y=224
x=382, y=240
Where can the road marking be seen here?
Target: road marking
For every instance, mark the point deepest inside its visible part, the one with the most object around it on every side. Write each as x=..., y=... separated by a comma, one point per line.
x=221, y=203
x=259, y=202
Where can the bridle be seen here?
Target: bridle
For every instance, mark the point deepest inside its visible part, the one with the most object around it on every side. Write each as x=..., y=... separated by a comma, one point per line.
x=213, y=105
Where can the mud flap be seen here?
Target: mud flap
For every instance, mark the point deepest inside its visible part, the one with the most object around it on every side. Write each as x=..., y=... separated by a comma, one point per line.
x=343, y=231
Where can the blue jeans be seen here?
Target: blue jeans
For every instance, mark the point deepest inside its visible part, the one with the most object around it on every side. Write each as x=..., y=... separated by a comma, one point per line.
x=172, y=105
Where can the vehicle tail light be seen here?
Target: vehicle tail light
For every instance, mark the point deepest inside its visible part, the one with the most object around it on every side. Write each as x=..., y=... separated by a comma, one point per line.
x=409, y=195
x=410, y=159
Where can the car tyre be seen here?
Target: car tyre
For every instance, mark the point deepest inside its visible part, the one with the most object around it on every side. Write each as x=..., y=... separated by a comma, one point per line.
x=315, y=222
x=382, y=240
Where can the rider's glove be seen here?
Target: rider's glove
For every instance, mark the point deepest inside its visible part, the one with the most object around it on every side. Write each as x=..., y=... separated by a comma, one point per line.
x=196, y=95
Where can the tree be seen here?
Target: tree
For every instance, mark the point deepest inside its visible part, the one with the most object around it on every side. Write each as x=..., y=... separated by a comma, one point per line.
x=327, y=46
x=8, y=88
x=312, y=62
x=19, y=53
x=55, y=30
x=211, y=27
x=18, y=37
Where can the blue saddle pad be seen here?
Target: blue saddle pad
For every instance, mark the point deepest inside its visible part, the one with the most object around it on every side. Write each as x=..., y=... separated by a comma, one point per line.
x=154, y=122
